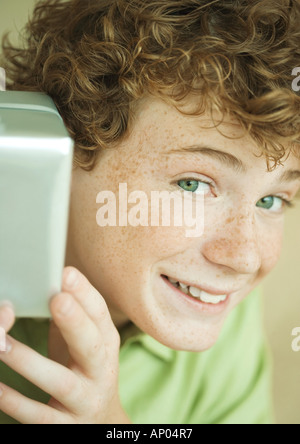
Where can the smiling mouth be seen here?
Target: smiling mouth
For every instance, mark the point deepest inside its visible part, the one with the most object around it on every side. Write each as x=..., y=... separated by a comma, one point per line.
x=197, y=293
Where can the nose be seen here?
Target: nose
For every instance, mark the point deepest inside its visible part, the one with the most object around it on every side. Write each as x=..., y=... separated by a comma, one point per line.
x=234, y=244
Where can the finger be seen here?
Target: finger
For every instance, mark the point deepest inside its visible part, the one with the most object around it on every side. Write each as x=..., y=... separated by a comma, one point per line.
x=56, y=380
x=28, y=411
x=88, y=297
x=7, y=316
x=93, y=304
x=82, y=336
x=57, y=347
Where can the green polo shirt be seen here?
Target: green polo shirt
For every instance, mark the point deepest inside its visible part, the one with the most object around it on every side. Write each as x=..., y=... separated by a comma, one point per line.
x=228, y=384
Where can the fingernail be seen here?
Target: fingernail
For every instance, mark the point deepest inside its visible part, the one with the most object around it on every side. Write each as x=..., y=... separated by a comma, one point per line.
x=4, y=304
x=71, y=278
x=2, y=340
x=5, y=343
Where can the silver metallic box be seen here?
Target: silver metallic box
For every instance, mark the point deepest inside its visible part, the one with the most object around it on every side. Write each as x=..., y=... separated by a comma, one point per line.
x=36, y=155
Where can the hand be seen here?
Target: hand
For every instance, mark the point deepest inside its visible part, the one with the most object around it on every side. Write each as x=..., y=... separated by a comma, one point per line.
x=7, y=316
x=85, y=391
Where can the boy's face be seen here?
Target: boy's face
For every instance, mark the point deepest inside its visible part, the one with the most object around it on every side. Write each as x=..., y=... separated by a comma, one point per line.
x=243, y=225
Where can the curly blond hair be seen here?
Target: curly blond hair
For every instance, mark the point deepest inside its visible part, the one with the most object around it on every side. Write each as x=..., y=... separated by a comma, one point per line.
x=98, y=58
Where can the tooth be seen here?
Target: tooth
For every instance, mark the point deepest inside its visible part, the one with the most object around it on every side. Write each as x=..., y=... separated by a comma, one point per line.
x=205, y=297
x=183, y=285
x=195, y=292
x=184, y=289
x=209, y=299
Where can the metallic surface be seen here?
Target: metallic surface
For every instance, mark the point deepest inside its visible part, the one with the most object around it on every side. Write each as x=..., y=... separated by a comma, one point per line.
x=35, y=175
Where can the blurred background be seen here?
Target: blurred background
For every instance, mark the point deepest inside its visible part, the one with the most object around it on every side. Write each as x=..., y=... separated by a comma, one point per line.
x=281, y=288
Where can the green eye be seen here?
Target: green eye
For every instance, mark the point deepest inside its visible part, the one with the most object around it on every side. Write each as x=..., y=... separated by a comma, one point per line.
x=276, y=204
x=189, y=185
x=194, y=185
x=266, y=203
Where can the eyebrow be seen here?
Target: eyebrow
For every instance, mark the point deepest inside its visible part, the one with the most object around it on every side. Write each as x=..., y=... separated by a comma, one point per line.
x=226, y=158
x=230, y=160
x=290, y=176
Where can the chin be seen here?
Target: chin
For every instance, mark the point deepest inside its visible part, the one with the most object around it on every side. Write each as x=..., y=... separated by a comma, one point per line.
x=189, y=339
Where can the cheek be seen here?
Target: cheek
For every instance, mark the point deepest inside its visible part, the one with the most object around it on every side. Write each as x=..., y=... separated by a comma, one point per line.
x=135, y=250
x=271, y=247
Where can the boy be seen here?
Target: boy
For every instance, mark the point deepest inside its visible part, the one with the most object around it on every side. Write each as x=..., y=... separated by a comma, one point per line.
x=153, y=326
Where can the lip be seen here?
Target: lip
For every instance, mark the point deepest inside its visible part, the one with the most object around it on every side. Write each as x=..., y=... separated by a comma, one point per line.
x=190, y=303
x=209, y=290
